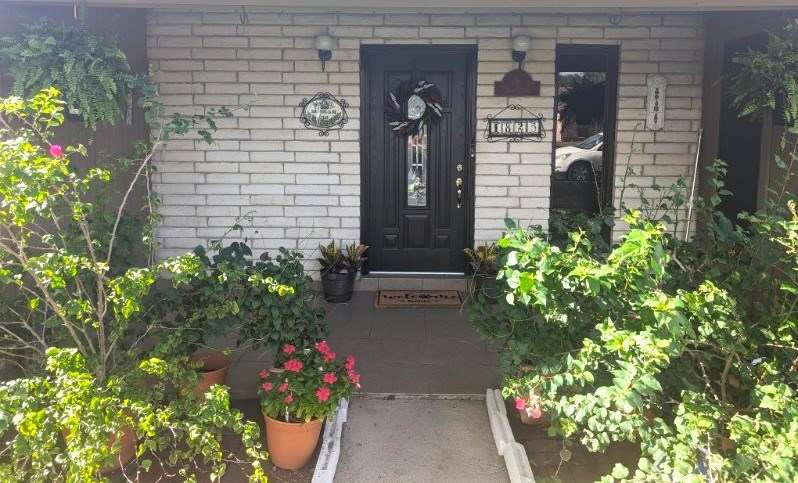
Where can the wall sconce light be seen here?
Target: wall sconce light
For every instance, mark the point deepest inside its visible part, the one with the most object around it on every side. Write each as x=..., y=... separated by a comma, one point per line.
x=323, y=44
x=520, y=46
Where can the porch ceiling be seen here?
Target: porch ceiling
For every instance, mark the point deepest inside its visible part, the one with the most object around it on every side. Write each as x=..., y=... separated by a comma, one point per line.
x=448, y=5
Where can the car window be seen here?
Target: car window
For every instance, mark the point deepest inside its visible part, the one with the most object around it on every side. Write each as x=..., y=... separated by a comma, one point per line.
x=591, y=142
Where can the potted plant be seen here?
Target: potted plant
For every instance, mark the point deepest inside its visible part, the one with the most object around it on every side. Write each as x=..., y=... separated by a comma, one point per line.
x=297, y=396
x=236, y=291
x=91, y=71
x=484, y=269
x=339, y=269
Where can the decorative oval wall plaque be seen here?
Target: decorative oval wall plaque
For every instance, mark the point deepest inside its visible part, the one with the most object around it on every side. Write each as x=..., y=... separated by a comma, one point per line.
x=655, y=102
x=324, y=113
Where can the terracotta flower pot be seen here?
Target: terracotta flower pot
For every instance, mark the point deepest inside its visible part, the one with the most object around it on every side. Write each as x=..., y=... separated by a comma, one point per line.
x=213, y=371
x=291, y=445
x=127, y=448
x=126, y=452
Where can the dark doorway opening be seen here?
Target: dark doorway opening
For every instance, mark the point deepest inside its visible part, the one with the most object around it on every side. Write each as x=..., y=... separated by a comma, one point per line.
x=739, y=139
x=584, y=138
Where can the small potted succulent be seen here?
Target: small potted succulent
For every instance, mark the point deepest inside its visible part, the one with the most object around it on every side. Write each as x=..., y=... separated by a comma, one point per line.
x=484, y=269
x=297, y=396
x=339, y=269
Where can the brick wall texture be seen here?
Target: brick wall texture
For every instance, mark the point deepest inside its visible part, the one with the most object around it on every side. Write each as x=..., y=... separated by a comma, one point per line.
x=301, y=189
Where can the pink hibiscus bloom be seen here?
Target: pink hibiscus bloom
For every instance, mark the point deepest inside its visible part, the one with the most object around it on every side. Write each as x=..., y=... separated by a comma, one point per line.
x=56, y=151
x=355, y=378
x=329, y=356
x=289, y=349
x=283, y=387
x=288, y=399
x=323, y=394
x=520, y=404
x=293, y=365
x=264, y=374
x=322, y=347
x=350, y=362
x=267, y=386
x=329, y=378
x=534, y=412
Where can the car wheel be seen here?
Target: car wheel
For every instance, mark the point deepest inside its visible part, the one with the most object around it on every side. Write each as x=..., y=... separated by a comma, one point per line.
x=580, y=171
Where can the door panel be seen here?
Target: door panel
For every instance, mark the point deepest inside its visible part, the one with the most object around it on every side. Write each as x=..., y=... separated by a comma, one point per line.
x=413, y=223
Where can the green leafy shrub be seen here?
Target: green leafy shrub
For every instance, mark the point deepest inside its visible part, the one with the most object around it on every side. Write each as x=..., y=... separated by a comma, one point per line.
x=89, y=70
x=688, y=348
x=80, y=332
x=268, y=301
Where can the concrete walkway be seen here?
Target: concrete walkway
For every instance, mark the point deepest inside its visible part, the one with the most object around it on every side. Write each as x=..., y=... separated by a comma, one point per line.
x=414, y=440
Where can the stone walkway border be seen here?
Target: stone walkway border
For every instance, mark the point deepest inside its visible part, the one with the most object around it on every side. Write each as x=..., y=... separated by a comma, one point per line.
x=331, y=446
x=514, y=454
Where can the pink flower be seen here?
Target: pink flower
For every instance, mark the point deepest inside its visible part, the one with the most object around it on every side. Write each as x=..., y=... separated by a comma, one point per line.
x=264, y=374
x=355, y=378
x=283, y=387
x=267, y=386
x=56, y=151
x=329, y=378
x=293, y=365
x=534, y=412
x=350, y=362
x=323, y=393
x=322, y=347
x=329, y=356
x=289, y=349
x=288, y=399
x=520, y=404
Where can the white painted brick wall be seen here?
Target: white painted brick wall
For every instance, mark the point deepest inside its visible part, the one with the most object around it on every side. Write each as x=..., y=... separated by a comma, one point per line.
x=302, y=189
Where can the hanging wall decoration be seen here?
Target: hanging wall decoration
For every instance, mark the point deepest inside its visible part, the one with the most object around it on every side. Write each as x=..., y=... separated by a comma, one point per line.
x=413, y=105
x=324, y=113
x=655, y=102
x=526, y=126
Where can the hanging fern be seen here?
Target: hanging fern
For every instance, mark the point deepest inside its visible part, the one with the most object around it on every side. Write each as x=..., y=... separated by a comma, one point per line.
x=91, y=72
x=769, y=79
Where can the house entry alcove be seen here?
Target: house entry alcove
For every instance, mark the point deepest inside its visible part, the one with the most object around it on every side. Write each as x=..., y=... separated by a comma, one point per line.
x=417, y=189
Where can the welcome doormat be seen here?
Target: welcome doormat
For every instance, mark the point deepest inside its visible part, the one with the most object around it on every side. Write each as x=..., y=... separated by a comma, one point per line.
x=418, y=298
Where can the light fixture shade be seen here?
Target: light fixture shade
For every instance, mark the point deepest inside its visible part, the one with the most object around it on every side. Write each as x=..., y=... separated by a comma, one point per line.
x=323, y=42
x=521, y=43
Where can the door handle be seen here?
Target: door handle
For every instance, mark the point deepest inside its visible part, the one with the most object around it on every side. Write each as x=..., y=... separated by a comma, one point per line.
x=459, y=184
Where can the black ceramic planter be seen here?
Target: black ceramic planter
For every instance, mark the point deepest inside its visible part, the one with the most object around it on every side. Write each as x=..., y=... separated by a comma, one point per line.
x=338, y=287
x=486, y=284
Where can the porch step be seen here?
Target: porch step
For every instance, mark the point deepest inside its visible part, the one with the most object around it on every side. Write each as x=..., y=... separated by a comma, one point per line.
x=373, y=284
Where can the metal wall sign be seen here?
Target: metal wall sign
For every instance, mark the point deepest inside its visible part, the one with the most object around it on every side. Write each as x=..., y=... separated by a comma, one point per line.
x=324, y=113
x=526, y=126
x=655, y=102
x=516, y=83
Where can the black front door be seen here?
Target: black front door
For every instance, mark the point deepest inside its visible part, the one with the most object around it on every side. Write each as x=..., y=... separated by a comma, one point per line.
x=417, y=201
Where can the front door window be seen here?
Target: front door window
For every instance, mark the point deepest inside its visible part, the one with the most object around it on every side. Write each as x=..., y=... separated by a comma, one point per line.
x=417, y=169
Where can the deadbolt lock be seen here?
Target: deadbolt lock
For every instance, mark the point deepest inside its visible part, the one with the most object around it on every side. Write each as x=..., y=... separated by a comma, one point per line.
x=460, y=167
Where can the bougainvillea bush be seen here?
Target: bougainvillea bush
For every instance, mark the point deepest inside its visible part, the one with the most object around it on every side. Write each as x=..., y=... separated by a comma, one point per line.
x=79, y=333
x=307, y=383
x=688, y=348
